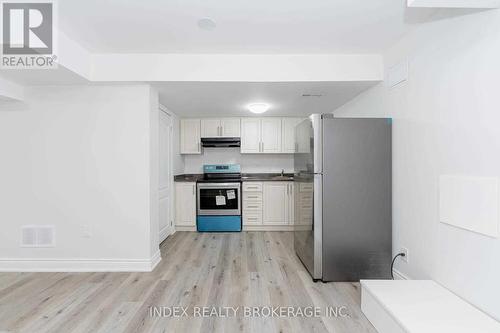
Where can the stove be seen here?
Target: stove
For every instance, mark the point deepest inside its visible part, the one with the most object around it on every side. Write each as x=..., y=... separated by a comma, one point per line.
x=219, y=198
x=220, y=173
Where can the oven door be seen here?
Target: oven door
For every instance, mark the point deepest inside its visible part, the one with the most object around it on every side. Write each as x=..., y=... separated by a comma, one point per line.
x=219, y=199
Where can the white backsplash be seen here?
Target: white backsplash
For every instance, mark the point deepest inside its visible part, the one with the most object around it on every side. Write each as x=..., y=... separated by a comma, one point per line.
x=250, y=163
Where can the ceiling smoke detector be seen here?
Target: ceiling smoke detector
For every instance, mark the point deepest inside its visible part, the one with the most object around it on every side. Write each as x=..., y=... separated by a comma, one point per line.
x=207, y=24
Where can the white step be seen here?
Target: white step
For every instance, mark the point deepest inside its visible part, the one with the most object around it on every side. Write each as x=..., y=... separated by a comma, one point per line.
x=420, y=306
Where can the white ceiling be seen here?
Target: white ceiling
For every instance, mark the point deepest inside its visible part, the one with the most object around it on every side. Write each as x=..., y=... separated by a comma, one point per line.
x=35, y=77
x=209, y=99
x=243, y=26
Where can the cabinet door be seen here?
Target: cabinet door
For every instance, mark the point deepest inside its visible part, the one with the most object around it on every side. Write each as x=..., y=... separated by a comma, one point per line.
x=185, y=204
x=230, y=127
x=290, y=218
x=210, y=128
x=275, y=203
x=190, y=136
x=288, y=134
x=250, y=135
x=303, y=139
x=271, y=135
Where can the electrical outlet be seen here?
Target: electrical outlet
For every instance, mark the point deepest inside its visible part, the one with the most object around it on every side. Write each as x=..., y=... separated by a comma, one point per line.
x=86, y=231
x=406, y=258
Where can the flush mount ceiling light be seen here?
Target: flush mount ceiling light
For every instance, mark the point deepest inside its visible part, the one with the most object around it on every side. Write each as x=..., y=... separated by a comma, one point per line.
x=206, y=23
x=258, y=107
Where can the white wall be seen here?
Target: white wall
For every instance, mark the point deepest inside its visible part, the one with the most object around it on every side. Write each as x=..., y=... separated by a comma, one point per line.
x=262, y=163
x=236, y=67
x=446, y=121
x=73, y=156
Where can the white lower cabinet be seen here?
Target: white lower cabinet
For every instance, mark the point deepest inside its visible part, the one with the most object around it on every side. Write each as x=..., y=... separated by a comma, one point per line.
x=268, y=205
x=252, y=204
x=304, y=193
x=185, y=205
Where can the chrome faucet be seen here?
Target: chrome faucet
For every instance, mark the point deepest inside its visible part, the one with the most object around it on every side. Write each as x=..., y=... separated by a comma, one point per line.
x=282, y=172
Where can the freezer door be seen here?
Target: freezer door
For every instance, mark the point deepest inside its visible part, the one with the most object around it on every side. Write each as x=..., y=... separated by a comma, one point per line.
x=357, y=219
x=307, y=199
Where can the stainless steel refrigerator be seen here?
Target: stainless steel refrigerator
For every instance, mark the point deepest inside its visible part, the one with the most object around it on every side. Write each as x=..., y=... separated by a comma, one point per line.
x=343, y=219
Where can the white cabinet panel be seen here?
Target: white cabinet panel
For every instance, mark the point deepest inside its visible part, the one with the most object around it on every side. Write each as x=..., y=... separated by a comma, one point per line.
x=271, y=135
x=215, y=127
x=288, y=143
x=230, y=127
x=210, y=128
x=252, y=218
x=252, y=203
x=303, y=140
x=190, y=136
x=185, y=204
x=275, y=210
x=252, y=187
x=304, y=195
x=290, y=201
x=250, y=135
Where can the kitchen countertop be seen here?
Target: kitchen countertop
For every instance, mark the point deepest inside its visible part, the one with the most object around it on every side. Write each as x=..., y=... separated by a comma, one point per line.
x=266, y=177
x=188, y=178
x=245, y=177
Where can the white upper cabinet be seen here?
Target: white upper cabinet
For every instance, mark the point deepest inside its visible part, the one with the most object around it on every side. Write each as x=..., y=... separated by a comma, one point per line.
x=190, y=136
x=250, y=136
x=303, y=140
x=210, y=128
x=230, y=127
x=271, y=135
x=268, y=135
x=215, y=127
x=289, y=145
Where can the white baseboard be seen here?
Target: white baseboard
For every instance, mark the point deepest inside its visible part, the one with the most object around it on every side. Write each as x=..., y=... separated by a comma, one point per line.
x=155, y=260
x=185, y=228
x=400, y=276
x=164, y=234
x=268, y=228
x=79, y=265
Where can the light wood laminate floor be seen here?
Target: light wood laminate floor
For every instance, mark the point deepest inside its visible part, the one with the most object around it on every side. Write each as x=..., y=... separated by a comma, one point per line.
x=252, y=269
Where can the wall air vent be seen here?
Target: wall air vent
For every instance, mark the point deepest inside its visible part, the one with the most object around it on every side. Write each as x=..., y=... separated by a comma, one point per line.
x=37, y=236
x=312, y=95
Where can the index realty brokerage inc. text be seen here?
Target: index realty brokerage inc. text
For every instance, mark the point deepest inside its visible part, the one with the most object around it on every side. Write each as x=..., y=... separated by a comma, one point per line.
x=248, y=311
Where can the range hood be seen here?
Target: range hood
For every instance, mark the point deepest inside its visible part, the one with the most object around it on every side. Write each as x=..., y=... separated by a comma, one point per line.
x=220, y=142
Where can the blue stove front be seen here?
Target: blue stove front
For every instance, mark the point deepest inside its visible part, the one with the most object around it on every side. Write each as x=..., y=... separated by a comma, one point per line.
x=218, y=223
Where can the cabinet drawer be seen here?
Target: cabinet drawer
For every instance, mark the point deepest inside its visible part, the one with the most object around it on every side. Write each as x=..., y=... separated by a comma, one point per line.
x=252, y=205
x=252, y=218
x=252, y=196
x=252, y=187
x=306, y=187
